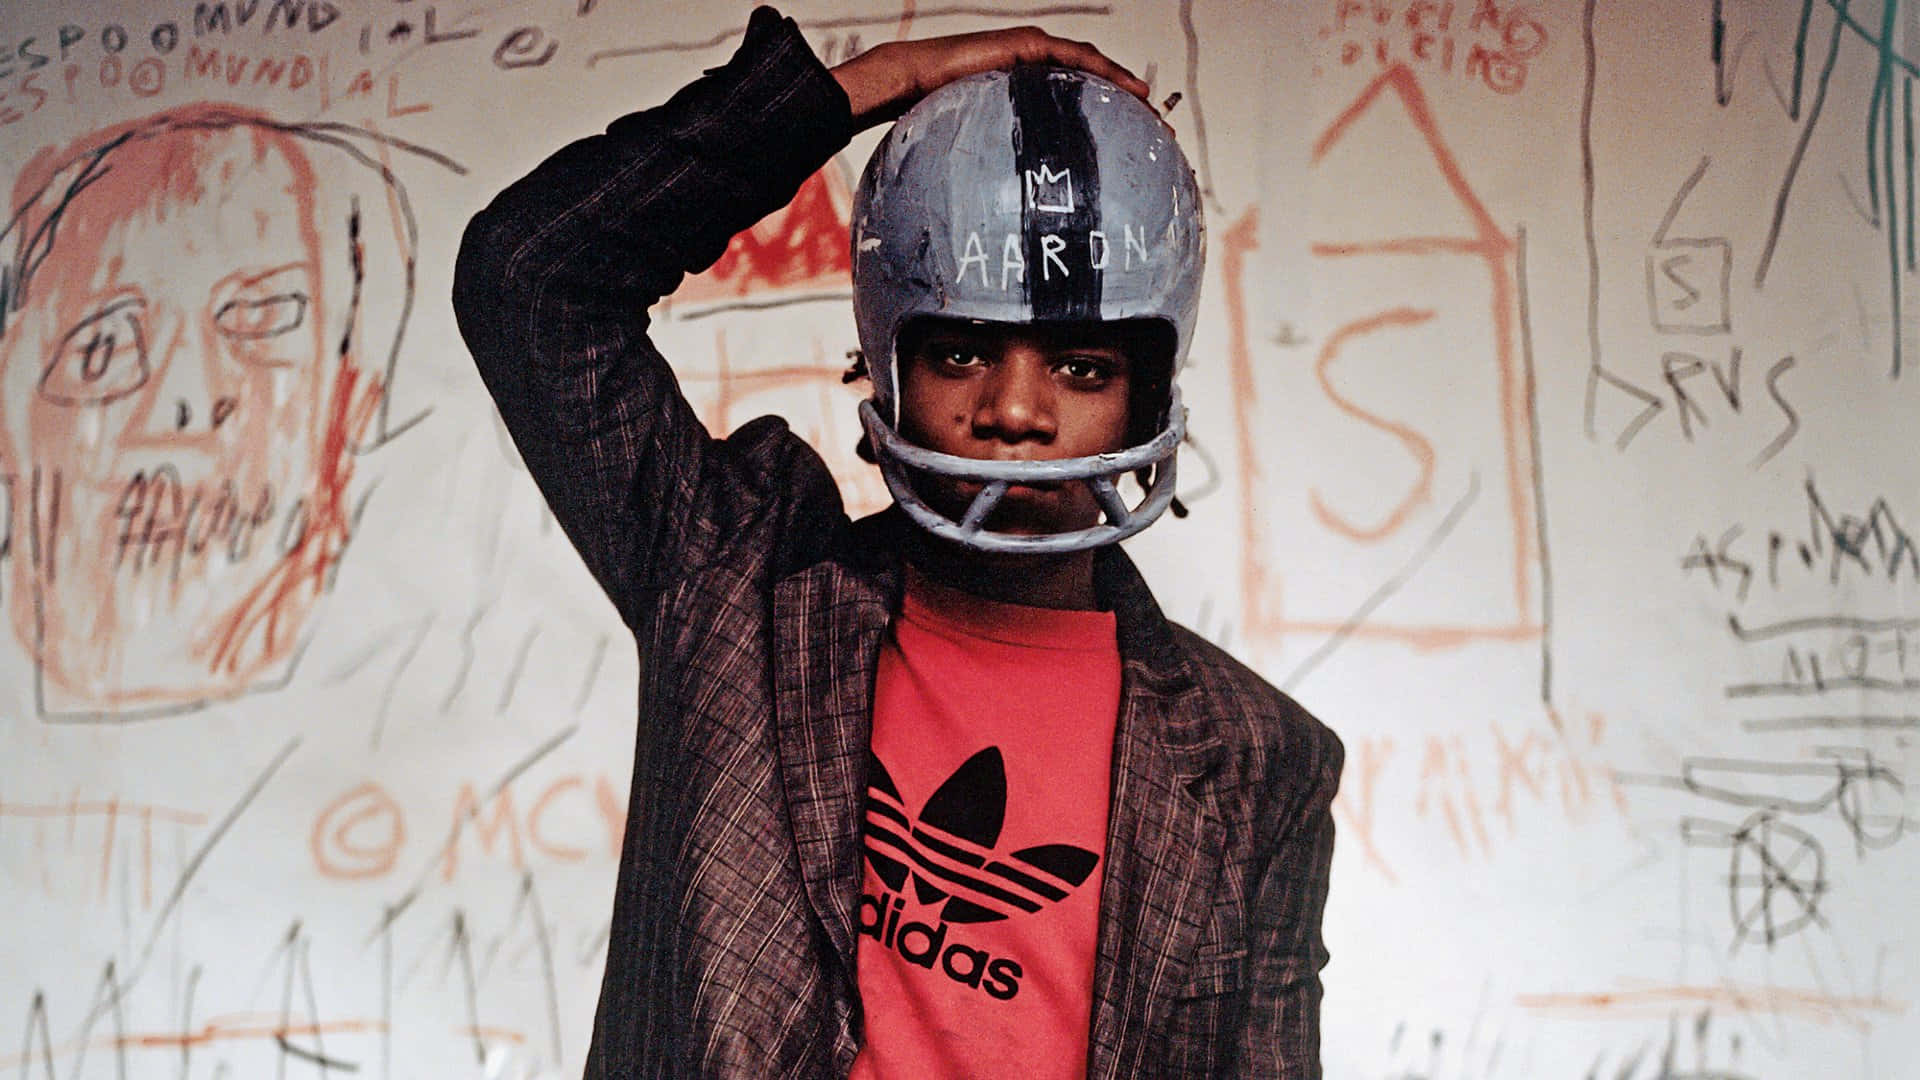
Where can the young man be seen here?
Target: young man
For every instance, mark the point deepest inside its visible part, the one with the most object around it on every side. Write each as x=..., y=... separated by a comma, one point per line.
x=940, y=792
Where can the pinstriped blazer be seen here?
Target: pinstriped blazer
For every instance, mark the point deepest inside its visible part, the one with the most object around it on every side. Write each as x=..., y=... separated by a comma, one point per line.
x=759, y=608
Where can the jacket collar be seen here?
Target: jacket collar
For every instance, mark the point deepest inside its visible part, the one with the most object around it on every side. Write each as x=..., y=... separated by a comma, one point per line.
x=1164, y=832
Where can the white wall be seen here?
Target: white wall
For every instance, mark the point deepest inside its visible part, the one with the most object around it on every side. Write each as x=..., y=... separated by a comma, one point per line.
x=1550, y=409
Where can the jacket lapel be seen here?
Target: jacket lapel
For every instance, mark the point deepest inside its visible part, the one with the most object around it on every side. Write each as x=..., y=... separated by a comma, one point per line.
x=828, y=621
x=1163, y=837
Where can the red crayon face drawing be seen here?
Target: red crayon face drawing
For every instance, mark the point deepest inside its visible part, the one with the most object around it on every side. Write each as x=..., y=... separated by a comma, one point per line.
x=182, y=389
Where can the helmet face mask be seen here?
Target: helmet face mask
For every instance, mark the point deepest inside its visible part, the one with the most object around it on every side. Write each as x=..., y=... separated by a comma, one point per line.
x=1041, y=197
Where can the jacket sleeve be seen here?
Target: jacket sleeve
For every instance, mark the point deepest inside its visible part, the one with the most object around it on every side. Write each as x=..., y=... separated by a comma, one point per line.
x=1281, y=1036
x=553, y=283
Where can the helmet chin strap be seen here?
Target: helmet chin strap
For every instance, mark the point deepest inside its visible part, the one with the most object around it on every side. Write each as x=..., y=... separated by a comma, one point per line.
x=1099, y=471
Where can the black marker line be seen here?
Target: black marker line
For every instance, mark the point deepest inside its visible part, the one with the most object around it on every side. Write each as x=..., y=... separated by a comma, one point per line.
x=1532, y=386
x=1596, y=367
x=849, y=22
x=1823, y=685
x=1906, y=149
x=1869, y=215
x=393, y=680
x=1717, y=49
x=463, y=945
x=1785, y=627
x=1780, y=367
x=1192, y=35
x=1793, y=161
x=313, y=1009
x=1870, y=722
x=1586, y=215
x=1679, y=199
x=597, y=942
x=109, y=993
x=1839, y=773
x=386, y=1004
x=187, y=874
x=593, y=673
x=532, y=897
x=52, y=565
x=466, y=659
x=357, y=264
x=547, y=746
x=1800, y=58
x=391, y=913
x=186, y=1022
x=358, y=660
x=1875, y=103
x=288, y=1049
x=1392, y=585
x=1883, y=93
x=290, y=948
x=34, y=542
x=519, y=668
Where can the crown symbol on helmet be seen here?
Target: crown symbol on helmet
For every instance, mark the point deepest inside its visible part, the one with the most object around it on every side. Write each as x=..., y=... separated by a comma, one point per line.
x=1050, y=190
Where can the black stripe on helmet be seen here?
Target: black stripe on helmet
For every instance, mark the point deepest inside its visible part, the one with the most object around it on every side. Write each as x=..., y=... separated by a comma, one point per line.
x=1060, y=194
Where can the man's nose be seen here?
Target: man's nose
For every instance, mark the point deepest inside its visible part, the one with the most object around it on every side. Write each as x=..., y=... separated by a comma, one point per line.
x=1016, y=401
x=191, y=398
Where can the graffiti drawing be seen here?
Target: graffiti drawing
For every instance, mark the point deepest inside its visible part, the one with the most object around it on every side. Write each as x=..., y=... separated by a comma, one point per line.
x=796, y=252
x=200, y=313
x=1430, y=469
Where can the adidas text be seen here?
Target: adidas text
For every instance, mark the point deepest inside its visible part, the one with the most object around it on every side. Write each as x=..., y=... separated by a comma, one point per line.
x=927, y=946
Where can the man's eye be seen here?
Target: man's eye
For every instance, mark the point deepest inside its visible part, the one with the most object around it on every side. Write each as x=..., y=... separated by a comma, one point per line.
x=960, y=358
x=101, y=359
x=269, y=316
x=252, y=307
x=1086, y=367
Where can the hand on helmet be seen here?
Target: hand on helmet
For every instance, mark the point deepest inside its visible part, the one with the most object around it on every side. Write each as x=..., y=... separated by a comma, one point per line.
x=886, y=80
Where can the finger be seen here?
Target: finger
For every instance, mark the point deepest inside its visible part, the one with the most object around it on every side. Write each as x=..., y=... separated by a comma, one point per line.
x=1087, y=57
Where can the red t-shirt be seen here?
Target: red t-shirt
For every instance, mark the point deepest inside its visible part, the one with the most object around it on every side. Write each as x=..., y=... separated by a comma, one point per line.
x=986, y=823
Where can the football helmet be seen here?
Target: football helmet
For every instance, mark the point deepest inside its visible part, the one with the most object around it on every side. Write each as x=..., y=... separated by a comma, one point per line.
x=1037, y=195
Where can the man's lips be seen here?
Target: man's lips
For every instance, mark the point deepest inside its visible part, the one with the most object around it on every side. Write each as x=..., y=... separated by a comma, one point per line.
x=970, y=488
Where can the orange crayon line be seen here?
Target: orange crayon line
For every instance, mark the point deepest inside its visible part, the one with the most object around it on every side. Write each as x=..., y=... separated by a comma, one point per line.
x=106, y=849
x=1486, y=242
x=1415, y=444
x=109, y=808
x=489, y=1032
x=146, y=858
x=1239, y=239
x=1423, y=638
x=1410, y=245
x=1806, y=1004
x=240, y=1028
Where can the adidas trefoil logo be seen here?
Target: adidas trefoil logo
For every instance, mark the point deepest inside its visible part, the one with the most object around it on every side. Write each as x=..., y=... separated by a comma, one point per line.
x=947, y=851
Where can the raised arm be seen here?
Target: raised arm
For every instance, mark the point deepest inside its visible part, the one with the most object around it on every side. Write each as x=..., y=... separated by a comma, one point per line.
x=555, y=277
